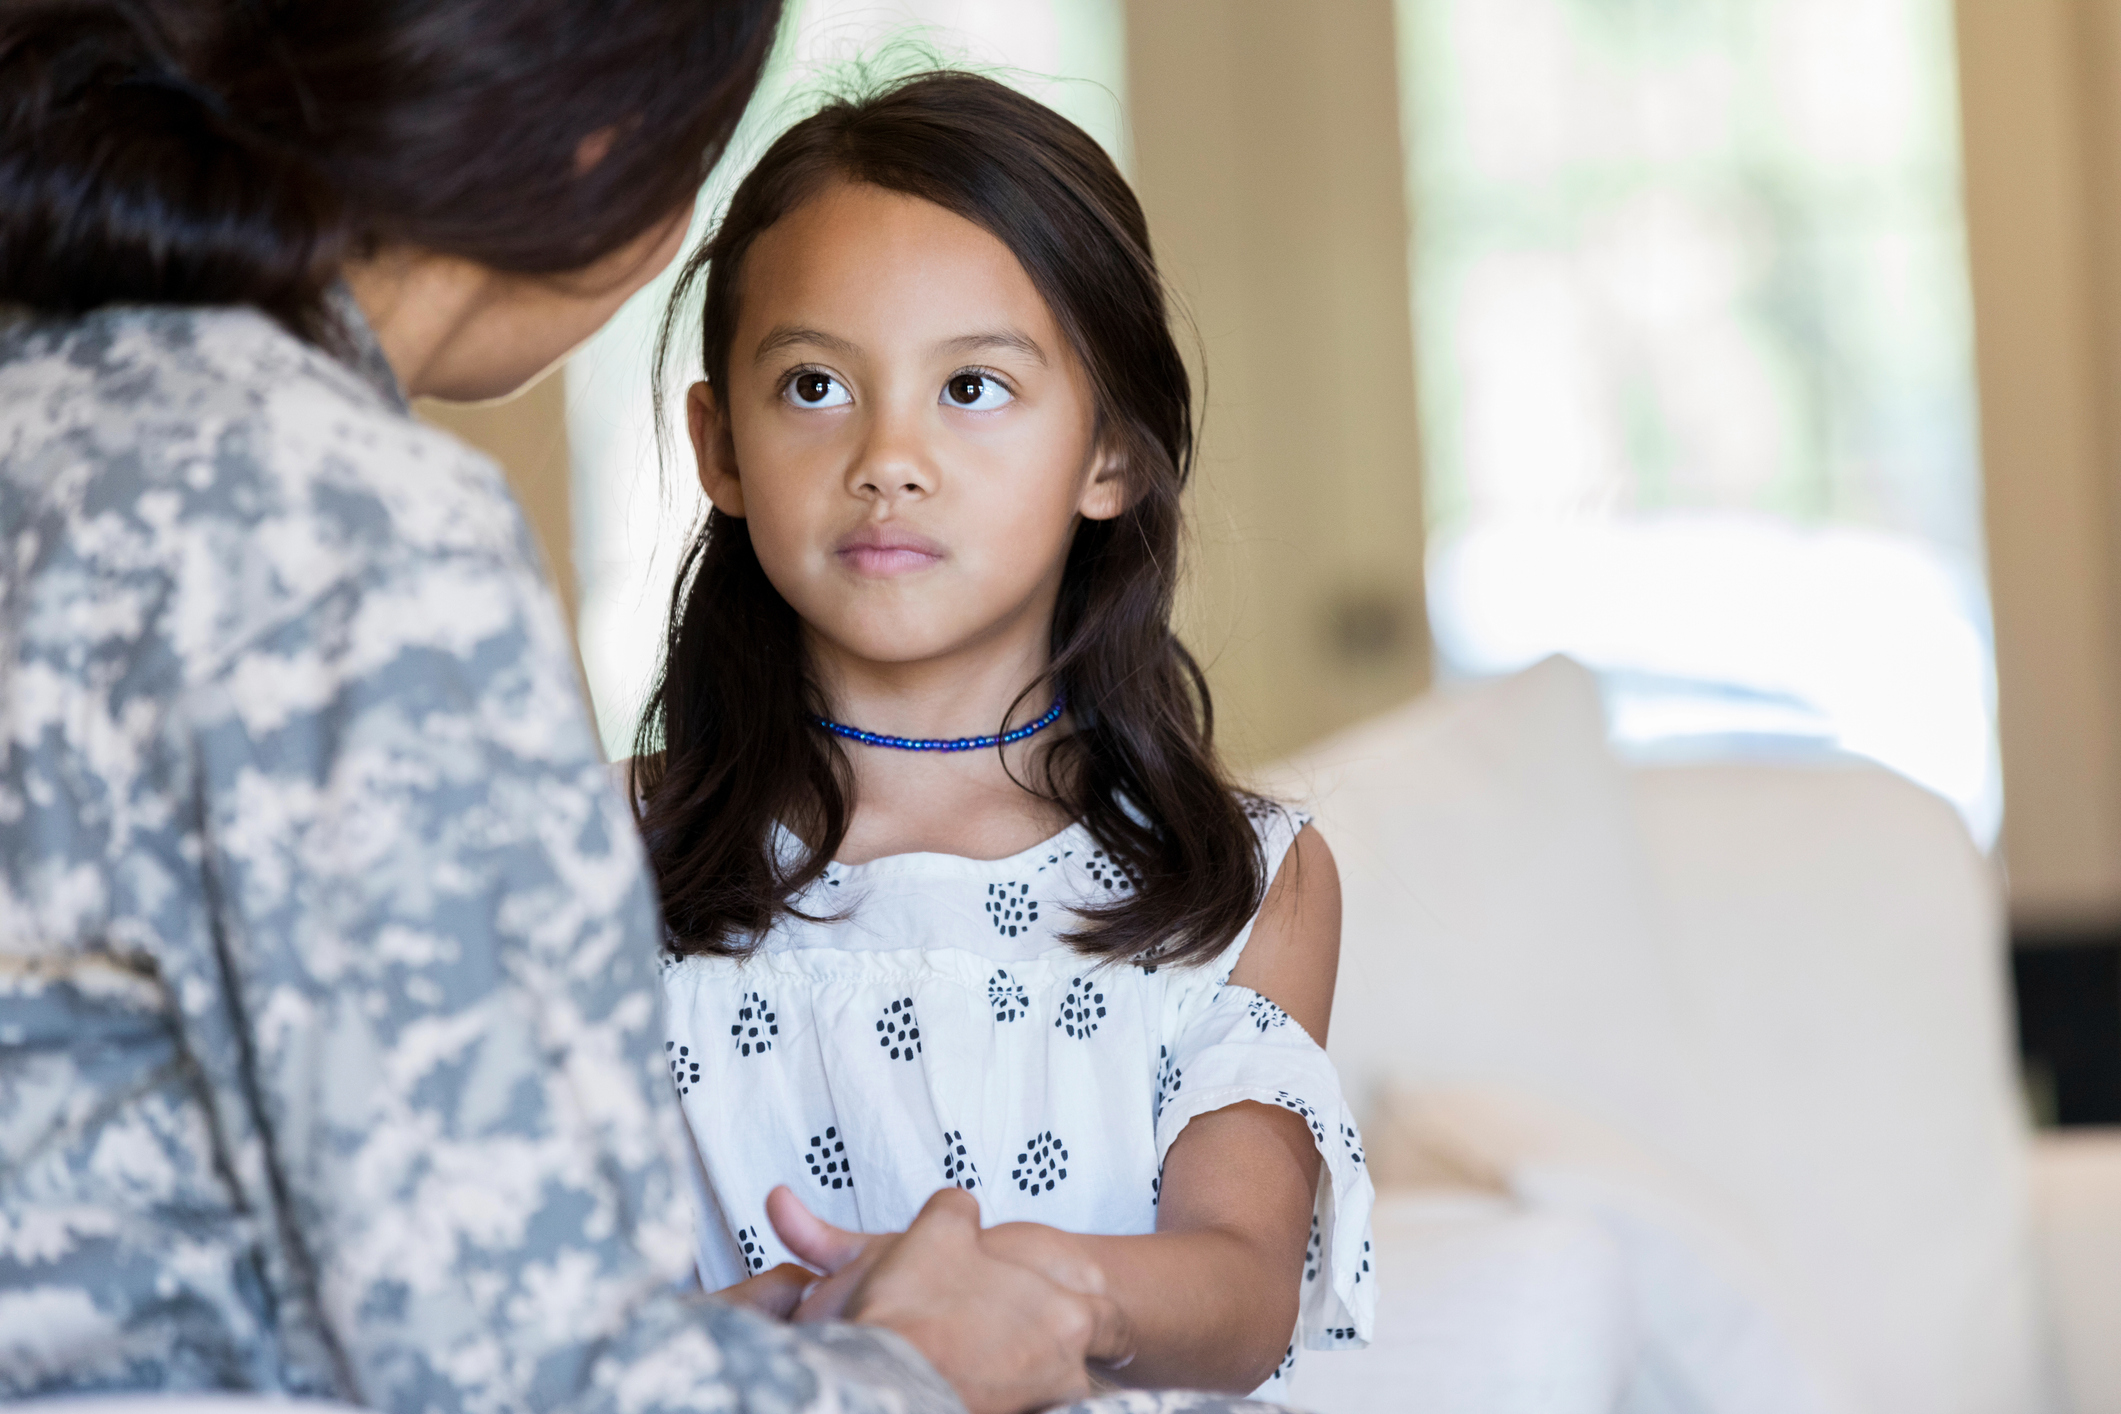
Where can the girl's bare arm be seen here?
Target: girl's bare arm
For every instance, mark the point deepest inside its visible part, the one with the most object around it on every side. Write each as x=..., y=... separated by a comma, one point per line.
x=1211, y=1296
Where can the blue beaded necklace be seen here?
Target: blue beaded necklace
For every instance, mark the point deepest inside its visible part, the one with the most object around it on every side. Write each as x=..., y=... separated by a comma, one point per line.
x=956, y=743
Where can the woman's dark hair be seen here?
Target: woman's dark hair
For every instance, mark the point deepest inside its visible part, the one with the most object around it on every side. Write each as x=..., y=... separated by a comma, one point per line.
x=237, y=151
x=728, y=749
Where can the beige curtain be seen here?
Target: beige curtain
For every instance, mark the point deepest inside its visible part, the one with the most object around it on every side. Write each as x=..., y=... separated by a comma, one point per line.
x=1267, y=152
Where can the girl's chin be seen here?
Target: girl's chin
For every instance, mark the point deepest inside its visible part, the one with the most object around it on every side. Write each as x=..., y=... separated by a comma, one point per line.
x=894, y=646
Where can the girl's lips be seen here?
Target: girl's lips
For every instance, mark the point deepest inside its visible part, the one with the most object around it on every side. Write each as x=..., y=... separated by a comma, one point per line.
x=887, y=552
x=875, y=560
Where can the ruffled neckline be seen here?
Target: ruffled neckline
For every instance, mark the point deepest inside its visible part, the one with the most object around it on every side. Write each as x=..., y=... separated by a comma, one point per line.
x=1051, y=850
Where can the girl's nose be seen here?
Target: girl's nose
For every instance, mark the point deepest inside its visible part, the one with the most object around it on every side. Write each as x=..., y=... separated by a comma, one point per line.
x=894, y=464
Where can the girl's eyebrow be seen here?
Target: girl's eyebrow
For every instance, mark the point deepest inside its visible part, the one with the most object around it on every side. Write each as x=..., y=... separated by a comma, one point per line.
x=993, y=339
x=791, y=335
x=788, y=336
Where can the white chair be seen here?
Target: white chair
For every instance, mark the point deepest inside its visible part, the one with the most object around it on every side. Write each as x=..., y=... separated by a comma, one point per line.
x=1748, y=1022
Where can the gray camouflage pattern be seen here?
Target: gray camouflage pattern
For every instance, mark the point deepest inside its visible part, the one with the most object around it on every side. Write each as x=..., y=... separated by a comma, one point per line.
x=1168, y=1401
x=327, y=1036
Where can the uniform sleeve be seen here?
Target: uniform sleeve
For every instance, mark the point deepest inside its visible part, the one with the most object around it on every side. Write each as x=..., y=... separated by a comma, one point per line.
x=1233, y=1045
x=436, y=942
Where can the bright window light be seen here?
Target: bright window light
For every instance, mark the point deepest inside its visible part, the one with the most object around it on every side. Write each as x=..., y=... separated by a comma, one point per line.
x=1696, y=370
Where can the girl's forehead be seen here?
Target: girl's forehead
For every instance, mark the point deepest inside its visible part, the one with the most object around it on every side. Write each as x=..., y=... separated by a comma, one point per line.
x=861, y=255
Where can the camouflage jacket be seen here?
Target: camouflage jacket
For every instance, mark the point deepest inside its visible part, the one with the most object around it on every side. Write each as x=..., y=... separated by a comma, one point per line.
x=328, y=1048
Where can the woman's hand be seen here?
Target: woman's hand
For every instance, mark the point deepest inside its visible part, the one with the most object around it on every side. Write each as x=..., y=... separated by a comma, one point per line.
x=774, y=1292
x=1006, y=1336
x=846, y=1257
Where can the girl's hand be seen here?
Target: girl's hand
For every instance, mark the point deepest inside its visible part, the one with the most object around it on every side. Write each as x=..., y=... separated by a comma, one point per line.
x=774, y=1292
x=1005, y=1337
x=848, y=1257
x=843, y=1256
x=1055, y=1255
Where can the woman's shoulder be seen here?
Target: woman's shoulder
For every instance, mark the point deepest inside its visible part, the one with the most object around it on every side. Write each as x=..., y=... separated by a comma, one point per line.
x=223, y=404
x=253, y=472
x=220, y=365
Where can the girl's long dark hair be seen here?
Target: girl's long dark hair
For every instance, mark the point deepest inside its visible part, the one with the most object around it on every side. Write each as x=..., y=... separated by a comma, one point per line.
x=237, y=152
x=727, y=749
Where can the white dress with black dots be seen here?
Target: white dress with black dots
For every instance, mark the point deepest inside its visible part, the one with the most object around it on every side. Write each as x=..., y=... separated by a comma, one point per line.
x=938, y=1033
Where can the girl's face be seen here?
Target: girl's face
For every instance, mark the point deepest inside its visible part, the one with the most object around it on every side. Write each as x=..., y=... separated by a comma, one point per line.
x=905, y=428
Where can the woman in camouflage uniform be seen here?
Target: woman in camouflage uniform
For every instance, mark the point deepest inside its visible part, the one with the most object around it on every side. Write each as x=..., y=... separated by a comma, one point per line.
x=328, y=1055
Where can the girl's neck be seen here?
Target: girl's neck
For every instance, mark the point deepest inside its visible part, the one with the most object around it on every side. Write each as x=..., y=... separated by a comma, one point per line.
x=972, y=803
x=965, y=694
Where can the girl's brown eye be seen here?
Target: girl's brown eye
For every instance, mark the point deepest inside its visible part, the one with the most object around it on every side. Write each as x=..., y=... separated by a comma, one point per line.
x=816, y=390
x=976, y=391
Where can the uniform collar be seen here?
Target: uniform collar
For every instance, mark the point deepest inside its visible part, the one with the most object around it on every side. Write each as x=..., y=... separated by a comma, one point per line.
x=361, y=350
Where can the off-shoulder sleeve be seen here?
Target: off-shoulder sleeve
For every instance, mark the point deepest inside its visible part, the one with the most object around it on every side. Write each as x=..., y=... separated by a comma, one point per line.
x=1231, y=1045
x=1240, y=1046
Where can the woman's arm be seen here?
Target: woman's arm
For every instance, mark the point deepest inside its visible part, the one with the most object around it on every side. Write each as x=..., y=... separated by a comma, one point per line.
x=1209, y=1299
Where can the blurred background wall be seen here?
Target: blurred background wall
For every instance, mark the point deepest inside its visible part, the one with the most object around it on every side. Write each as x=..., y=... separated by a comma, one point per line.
x=2038, y=82
x=1765, y=355
x=1267, y=153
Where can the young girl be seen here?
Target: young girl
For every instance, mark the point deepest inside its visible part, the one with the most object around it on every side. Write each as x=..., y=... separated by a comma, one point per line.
x=958, y=893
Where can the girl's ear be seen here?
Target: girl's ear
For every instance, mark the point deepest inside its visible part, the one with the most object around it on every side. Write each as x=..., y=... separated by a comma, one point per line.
x=1107, y=493
x=714, y=450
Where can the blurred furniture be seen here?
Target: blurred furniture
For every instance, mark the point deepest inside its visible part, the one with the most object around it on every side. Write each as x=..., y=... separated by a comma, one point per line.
x=1689, y=1085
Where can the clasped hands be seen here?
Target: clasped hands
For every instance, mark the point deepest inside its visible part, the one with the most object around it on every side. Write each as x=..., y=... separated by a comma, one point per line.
x=1012, y=1321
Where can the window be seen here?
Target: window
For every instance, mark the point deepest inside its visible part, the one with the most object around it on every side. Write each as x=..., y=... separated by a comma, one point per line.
x=1696, y=366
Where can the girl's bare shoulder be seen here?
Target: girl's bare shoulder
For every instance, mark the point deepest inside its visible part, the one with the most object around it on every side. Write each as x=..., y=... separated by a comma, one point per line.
x=1293, y=955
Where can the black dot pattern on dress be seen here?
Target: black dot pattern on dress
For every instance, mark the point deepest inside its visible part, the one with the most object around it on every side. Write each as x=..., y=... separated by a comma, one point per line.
x=1341, y=1335
x=1289, y=1102
x=1156, y=1188
x=1168, y=1079
x=898, y=1034
x=1363, y=1270
x=1108, y=873
x=1265, y=1014
x=827, y=1158
x=1313, y=1250
x=1353, y=1142
x=1082, y=1011
x=754, y=1250
x=1007, y=996
x=1288, y=1360
x=958, y=1168
x=1010, y=908
x=684, y=1068
x=1041, y=1165
x=755, y=1027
